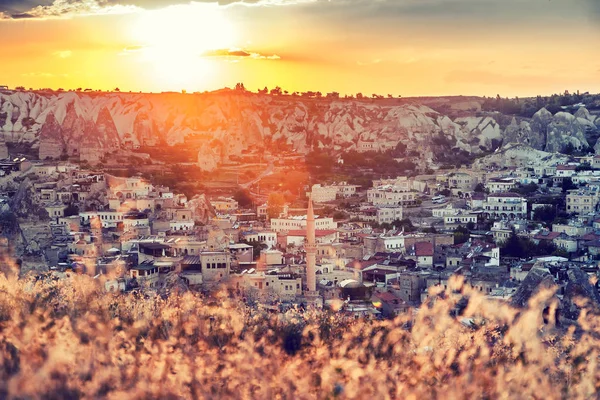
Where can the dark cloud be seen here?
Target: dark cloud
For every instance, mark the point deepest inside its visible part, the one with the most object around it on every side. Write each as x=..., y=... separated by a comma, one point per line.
x=19, y=6
x=20, y=9
x=481, y=12
x=21, y=16
x=393, y=11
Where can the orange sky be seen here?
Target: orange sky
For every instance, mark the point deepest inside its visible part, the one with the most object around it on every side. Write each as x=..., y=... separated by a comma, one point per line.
x=400, y=47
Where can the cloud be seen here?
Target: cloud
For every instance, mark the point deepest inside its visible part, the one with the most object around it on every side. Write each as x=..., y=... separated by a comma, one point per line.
x=132, y=50
x=66, y=9
x=226, y=53
x=47, y=9
x=63, y=53
x=239, y=54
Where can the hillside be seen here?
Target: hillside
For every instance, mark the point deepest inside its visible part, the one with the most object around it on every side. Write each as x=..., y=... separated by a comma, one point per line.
x=227, y=123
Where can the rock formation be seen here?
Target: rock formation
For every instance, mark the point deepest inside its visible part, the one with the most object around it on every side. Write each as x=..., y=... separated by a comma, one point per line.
x=241, y=120
x=51, y=140
x=3, y=148
x=537, y=279
x=202, y=210
x=578, y=289
x=565, y=129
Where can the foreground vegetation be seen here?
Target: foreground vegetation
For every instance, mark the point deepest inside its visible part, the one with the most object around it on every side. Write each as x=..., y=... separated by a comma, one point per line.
x=67, y=339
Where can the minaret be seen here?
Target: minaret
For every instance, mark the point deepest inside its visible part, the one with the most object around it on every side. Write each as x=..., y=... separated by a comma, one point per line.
x=311, y=248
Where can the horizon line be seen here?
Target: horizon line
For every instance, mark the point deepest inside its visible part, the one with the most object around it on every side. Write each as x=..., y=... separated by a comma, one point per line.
x=345, y=96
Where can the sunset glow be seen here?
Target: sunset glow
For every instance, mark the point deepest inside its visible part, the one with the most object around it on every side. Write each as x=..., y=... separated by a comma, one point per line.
x=174, y=41
x=399, y=47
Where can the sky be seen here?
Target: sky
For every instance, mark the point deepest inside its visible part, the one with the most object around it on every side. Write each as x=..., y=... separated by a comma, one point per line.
x=399, y=47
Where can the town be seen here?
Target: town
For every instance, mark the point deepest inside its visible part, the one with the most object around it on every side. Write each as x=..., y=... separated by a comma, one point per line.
x=373, y=252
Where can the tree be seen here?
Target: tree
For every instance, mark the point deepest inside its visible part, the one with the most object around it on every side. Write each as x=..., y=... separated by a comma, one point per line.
x=583, y=167
x=339, y=215
x=243, y=198
x=8, y=223
x=461, y=235
x=275, y=204
x=527, y=190
x=71, y=210
x=431, y=229
x=257, y=247
x=521, y=247
x=512, y=247
x=560, y=253
x=545, y=214
x=405, y=224
x=567, y=184
x=479, y=188
x=569, y=148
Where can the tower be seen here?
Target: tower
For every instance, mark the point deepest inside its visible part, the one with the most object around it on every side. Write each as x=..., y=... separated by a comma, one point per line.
x=311, y=248
x=311, y=295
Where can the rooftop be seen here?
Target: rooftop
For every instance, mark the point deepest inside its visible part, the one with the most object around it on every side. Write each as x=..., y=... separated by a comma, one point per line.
x=506, y=194
x=318, y=232
x=423, y=249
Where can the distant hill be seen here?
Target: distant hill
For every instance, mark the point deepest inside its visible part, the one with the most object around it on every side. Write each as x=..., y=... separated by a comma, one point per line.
x=228, y=122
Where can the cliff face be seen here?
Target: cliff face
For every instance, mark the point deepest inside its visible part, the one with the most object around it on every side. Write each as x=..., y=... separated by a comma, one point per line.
x=51, y=139
x=225, y=123
x=3, y=149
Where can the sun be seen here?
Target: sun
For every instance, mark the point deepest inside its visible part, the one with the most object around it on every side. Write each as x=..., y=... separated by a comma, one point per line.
x=175, y=39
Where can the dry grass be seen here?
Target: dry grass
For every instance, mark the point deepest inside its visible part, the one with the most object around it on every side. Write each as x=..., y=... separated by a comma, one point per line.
x=68, y=339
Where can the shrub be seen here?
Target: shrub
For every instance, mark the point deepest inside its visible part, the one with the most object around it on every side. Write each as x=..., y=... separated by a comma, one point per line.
x=68, y=339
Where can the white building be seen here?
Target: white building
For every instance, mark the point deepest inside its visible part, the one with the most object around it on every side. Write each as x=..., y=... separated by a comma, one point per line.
x=565, y=171
x=299, y=237
x=393, y=243
x=462, y=181
x=505, y=206
x=345, y=190
x=444, y=211
x=459, y=218
x=323, y=194
x=176, y=226
x=135, y=221
x=566, y=243
x=500, y=185
x=223, y=204
x=269, y=285
x=583, y=201
x=109, y=219
x=387, y=215
x=265, y=237
x=299, y=223
x=390, y=196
